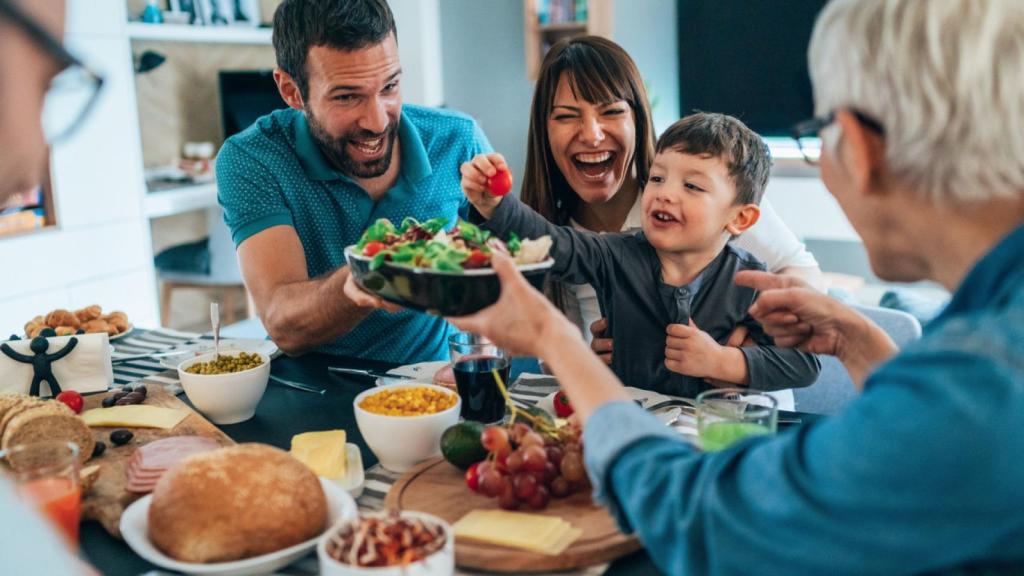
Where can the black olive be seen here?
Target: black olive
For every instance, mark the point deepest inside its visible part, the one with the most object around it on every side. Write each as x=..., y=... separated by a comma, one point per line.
x=135, y=398
x=99, y=448
x=124, y=401
x=47, y=332
x=121, y=436
x=79, y=332
x=140, y=389
x=108, y=401
x=119, y=395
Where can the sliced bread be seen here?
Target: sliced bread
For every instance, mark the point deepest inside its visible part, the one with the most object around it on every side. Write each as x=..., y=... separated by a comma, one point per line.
x=53, y=421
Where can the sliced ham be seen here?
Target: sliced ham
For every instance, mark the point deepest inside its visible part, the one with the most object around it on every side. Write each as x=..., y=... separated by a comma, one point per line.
x=445, y=377
x=150, y=461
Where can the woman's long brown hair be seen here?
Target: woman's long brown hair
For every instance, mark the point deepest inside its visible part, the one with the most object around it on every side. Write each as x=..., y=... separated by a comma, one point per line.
x=600, y=72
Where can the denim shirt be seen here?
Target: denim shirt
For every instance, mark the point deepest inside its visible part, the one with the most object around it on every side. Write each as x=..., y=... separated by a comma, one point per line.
x=922, y=474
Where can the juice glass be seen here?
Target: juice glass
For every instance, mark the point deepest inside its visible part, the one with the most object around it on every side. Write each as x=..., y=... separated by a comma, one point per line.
x=46, y=474
x=474, y=360
x=726, y=415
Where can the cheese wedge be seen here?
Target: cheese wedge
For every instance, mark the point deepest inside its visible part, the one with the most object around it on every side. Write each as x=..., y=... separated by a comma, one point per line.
x=534, y=532
x=323, y=452
x=135, y=416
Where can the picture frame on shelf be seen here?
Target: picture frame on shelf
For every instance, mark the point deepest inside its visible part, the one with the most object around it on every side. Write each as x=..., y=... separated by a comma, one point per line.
x=186, y=7
x=246, y=13
x=212, y=12
x=222, y=12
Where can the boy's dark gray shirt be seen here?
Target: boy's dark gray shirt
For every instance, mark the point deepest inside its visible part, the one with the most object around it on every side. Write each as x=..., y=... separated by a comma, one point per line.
x=626, y=274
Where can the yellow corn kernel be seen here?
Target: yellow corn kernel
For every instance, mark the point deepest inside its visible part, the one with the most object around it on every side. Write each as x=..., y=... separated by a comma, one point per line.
x=408, y=401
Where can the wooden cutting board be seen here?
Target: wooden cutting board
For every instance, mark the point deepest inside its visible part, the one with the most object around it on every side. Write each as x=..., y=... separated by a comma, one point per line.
x=107, y=499
x=438, y=488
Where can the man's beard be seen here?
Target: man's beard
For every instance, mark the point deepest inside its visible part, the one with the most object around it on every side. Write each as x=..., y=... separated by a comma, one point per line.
x=337, y=153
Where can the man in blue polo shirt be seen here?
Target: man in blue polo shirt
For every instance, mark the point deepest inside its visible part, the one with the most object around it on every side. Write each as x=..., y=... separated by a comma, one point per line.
x=303, y=183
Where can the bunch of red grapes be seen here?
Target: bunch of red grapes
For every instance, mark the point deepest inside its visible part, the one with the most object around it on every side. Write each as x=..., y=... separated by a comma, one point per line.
x=526, y=468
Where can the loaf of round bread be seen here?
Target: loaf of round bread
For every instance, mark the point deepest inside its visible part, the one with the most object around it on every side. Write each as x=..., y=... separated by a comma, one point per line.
x=235, y=503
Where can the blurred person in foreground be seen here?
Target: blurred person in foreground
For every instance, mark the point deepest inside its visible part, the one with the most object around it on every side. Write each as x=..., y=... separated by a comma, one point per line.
x=31, y=58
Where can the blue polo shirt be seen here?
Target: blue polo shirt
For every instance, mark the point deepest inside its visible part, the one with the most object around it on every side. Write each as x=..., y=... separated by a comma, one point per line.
x=273, y=174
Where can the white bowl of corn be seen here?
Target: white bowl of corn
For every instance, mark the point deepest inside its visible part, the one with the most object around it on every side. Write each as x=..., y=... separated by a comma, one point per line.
x=403, y=423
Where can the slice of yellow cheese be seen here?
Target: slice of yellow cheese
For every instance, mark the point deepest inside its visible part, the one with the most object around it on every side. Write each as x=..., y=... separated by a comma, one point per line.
x=323, y=452
x=533, y=532
x=135, y=416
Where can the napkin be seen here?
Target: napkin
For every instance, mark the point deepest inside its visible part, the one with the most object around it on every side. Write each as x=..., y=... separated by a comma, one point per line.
x=86, y=369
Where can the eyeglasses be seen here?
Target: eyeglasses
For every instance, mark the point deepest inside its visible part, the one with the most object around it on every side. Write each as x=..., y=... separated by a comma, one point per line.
x=807, y=138
x=73, y=93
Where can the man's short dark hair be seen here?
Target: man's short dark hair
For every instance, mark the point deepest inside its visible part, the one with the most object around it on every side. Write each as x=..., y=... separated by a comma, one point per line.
x=745, y=154
x=340, y=24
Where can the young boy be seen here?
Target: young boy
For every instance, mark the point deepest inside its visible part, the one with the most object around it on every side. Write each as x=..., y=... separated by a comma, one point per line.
x=668, y=290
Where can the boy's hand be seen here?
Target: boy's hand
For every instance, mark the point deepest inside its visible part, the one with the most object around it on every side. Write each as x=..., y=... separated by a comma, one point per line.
x=475, y=174
x=692, y=352
x=600, y=345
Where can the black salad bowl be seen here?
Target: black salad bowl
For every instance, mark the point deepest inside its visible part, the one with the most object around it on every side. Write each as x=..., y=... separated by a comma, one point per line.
x=434, y=292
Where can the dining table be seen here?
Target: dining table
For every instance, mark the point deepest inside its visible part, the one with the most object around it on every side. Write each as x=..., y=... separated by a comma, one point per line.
x=286, y=411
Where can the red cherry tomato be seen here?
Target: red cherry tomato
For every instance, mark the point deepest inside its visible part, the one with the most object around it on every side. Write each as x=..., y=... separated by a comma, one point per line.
x=72, y=400
x=372, y=248
x=500, y=184
x=476, y=259
x=563, y=409
x=473, y=477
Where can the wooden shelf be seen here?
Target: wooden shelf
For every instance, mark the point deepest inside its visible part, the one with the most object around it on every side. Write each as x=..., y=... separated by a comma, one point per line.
x=538, y=36
x=171, y=201
x=199, y=34
x=562, y=27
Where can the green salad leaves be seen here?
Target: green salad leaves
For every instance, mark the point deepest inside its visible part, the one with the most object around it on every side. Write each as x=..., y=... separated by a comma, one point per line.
x=428, y=245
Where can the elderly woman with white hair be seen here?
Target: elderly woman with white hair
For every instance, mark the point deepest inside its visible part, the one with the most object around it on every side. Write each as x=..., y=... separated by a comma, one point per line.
x=921, y=114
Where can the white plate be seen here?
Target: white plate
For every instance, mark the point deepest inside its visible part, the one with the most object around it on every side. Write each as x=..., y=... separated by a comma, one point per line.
x=648, y=398
x=135, y=530
x=109, y=338
x=226, y=345
x=422, y=372
x=123, y=334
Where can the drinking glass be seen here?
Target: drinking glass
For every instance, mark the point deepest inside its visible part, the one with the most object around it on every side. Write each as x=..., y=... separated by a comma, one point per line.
x=474, y=360
x=46, y=474
x=726, y=415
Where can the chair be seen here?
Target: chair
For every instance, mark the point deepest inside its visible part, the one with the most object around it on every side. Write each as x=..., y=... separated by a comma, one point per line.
x=834, y=388
x=222, y=276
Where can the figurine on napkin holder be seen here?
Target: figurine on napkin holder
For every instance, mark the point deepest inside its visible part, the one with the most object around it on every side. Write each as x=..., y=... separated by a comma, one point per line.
x=80, y=363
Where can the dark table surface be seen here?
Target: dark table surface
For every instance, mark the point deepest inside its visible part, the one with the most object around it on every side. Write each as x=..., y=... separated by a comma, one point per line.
x=282, y=413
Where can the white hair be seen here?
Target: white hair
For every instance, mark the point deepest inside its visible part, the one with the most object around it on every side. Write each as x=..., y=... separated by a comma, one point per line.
x=946, y=80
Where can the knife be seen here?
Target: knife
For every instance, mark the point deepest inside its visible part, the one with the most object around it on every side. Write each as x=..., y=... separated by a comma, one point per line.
x=120, y=359
x=368, y=373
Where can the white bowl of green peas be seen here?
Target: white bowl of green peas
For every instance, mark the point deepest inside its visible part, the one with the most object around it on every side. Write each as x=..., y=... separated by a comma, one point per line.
x=226, y=389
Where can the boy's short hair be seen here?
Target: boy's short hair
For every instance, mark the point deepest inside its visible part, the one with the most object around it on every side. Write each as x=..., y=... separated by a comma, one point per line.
x=745, y=154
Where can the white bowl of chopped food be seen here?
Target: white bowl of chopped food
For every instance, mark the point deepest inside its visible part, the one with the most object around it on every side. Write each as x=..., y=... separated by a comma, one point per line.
x=424, y=546
x=226, y=389
x=403, y=423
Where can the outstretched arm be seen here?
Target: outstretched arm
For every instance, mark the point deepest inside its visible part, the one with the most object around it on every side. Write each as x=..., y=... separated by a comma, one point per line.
x=63, y=351
x=798, y=317
x=10, y=352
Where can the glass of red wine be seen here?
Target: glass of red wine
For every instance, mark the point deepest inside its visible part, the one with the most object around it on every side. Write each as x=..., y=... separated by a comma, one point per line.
x=474, y=360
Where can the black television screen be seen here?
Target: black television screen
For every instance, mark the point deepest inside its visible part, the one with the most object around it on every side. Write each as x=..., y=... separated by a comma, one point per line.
x=245, y=95
x=747, y=58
